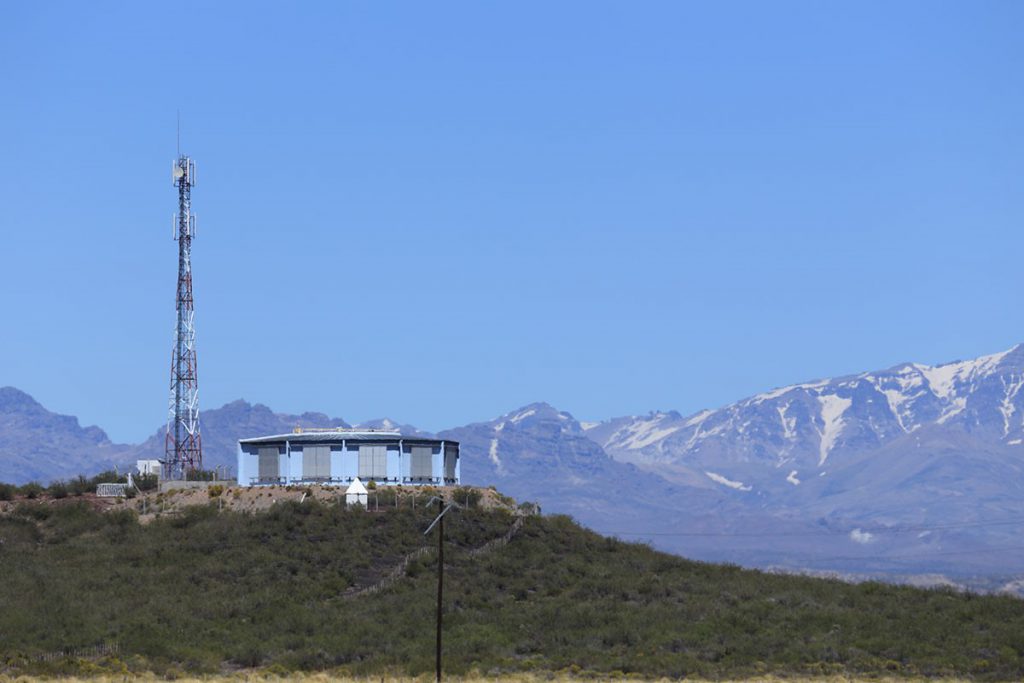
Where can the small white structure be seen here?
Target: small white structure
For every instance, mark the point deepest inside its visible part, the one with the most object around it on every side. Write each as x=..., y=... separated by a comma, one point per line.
x=148, y=466
x=356, y=493
x=111, y=490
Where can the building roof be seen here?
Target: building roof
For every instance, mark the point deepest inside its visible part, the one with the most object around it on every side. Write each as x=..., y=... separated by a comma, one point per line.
x=339, y=435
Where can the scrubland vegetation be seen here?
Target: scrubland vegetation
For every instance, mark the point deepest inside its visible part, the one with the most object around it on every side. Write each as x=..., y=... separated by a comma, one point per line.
x=206, y=592
x=76, y=488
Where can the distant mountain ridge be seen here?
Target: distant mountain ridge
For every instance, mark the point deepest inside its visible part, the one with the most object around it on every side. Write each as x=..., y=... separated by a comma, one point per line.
x=913, y=469
x=541, y=454
x=221, y=428
x=794, y=442
x=36, y=443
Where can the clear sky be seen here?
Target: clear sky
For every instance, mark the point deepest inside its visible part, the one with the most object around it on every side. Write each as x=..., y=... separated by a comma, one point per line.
x=442, y=211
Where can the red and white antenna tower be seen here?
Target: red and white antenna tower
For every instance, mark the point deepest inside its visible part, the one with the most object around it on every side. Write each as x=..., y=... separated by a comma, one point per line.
x=183, y=447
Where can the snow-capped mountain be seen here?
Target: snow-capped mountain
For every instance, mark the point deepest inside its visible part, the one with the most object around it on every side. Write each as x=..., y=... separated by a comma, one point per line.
x=923, y=466
x=774, y=443
x=539, y=453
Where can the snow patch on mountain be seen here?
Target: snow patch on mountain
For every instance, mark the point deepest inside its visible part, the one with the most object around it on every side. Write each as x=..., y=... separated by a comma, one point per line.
x=775, y=393
x=788, y=423
x=943, y=379
x=519, y=417
x=493, y=454
x=719, y=479
x=640, y=434
x=955, y=407
x=698, y=418
x=1011, y=387
x=832, y=409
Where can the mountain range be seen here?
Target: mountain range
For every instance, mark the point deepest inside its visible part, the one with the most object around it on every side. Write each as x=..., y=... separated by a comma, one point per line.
x=913, y=470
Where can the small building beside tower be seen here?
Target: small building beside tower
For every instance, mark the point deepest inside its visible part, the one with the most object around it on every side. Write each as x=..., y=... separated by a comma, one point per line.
x=339, y=456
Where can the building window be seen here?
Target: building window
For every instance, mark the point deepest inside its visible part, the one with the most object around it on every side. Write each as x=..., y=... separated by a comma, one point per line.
x=373, y=462
x=451, y=456
x=269, y=468
x=316, y=463
x=422, y=463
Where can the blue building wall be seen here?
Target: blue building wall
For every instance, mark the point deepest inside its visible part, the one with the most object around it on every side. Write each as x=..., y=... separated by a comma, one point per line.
x=344, y=463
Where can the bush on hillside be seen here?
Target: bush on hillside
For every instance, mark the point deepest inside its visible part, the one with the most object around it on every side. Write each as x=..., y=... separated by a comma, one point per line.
x=147, y=482
x=7, y=491
x=106, y=477
x=267, y=590
x=31, y=490
x=57, y=489
x=79, y=486
x=467, y=496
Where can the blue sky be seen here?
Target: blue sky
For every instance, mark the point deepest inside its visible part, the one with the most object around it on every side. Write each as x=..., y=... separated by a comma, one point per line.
x=442, y=211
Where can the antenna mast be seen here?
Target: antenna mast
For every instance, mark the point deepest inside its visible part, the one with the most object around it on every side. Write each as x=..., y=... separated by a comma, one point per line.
x=183, y=451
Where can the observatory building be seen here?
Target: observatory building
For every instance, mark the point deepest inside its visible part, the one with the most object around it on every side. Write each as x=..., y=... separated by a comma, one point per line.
x=339, y=456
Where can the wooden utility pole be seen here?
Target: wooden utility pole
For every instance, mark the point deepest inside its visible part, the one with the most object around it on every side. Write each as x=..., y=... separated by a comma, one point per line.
x=440, y=581
x=442, y=510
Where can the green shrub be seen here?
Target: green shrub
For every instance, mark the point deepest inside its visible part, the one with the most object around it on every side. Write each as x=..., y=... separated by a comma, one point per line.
x=57, y=489
x=33, y=511
x=32, y=490
x=215, y=491
x=79, y=486
x=7, y=491
x=467, y=496
x=147, y=482
x=266, y=590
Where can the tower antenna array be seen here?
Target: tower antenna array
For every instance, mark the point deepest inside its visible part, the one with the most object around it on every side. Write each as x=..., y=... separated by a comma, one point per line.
x=183, y=451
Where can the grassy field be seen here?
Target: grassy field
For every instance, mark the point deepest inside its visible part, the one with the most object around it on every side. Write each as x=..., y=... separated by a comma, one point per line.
x=211, y=592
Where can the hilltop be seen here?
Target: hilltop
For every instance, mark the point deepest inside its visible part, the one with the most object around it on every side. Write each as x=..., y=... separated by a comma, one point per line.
x=207, y=591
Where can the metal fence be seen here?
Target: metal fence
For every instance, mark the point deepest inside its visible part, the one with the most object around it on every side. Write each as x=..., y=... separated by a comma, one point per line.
x=400, y=570
x=79, y=653
x=498, y=542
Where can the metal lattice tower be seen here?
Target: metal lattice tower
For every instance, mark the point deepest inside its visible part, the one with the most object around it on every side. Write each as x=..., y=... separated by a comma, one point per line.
x=184, y=449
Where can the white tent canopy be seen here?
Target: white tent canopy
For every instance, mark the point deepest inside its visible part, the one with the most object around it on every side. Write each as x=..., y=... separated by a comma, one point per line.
x=355, y=493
